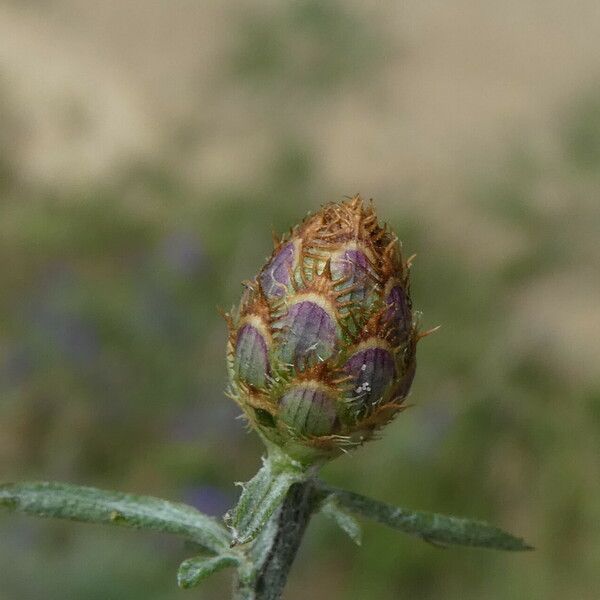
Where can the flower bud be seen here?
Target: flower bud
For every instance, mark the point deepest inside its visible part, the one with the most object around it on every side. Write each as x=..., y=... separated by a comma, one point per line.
x=321, y=350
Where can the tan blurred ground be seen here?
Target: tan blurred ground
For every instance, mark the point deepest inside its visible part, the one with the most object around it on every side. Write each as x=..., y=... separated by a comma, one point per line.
x=461, y=80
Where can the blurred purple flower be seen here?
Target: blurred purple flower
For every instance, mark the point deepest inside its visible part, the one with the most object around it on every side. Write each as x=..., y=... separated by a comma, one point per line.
x=208, y=499
x=68, y=333
x=206, y=422
x=57, y=321
x=182, y=253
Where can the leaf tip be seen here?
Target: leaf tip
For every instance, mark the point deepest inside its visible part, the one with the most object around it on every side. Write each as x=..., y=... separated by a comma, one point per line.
x=525, y=547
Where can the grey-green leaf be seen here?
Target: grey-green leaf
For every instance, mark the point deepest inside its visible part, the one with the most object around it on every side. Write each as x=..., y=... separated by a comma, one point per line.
x=343, y=519
x=260, y=497
x=91, y=505
x=430, y=527
x=194, y=570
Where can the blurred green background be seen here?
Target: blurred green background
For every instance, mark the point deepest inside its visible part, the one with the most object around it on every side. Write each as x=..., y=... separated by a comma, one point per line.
x=147, y=149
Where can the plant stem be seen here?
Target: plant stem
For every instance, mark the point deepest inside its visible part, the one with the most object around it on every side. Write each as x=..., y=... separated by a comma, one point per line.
x=275, y=549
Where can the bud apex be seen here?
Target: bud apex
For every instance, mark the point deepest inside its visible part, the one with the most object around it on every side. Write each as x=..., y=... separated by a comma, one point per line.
x=321, y=350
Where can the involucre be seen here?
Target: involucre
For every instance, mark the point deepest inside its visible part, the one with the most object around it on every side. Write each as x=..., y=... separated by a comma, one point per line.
x=321, y=350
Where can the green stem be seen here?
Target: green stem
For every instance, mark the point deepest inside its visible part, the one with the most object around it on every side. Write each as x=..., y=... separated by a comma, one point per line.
x=274, y=551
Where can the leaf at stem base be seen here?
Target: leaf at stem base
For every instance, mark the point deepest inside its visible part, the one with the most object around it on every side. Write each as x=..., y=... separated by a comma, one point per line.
x=260, y=497
x=195, y=570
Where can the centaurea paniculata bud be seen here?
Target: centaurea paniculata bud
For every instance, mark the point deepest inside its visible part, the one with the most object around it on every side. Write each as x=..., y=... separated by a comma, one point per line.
x=321, y=350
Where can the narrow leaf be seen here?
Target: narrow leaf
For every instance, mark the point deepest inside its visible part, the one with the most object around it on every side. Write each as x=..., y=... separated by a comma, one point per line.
x=91, y=505
x=430, y=527
x=342, y=518
x=260, y=497
x=194, y=570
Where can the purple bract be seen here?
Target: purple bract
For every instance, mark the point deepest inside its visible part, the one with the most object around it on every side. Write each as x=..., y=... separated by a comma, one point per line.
x=373, y=370
x=275, y=277
x=251, y=356
x=308, y=410
x=309, y=335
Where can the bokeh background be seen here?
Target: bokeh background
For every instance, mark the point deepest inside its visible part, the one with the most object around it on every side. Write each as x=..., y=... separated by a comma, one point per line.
x=147, y=149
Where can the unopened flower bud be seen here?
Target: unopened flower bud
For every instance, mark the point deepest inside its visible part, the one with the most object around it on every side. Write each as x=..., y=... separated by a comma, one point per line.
x=321, y=350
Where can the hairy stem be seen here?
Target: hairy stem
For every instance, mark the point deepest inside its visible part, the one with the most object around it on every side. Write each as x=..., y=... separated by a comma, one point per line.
x=275, y=549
